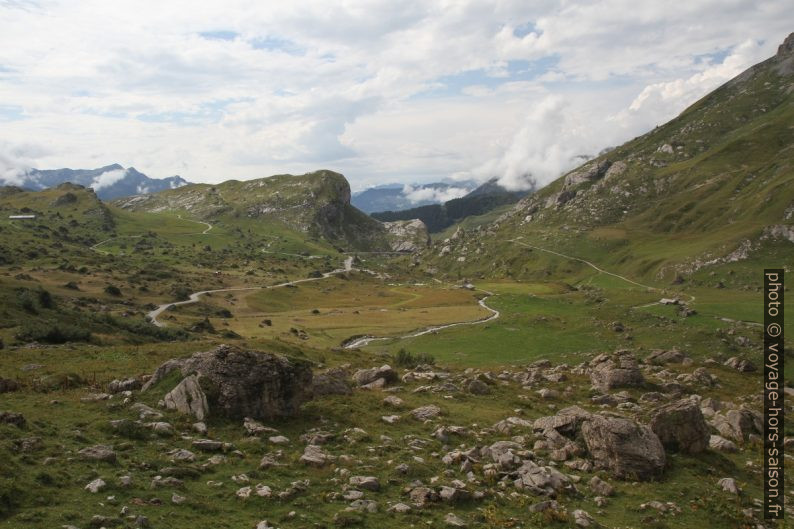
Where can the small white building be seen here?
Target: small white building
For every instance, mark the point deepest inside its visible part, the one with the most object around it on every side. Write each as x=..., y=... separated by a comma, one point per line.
x=21, y=217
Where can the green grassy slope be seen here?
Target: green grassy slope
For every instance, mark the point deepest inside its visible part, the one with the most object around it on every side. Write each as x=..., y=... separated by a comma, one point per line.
x=713, y=186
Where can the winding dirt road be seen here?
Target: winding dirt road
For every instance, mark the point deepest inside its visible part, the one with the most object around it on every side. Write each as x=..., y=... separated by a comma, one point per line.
x=194, y=297
x=366, y=340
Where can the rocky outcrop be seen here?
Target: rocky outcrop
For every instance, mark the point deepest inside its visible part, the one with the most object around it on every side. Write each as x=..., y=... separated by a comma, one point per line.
x=681, y=427
x=239, y=383
x=617, y=370
x=407, y=235
x=627, y=449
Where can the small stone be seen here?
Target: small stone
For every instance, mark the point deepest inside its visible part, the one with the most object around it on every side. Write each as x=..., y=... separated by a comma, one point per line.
x=601, y=487
x=393, y=401
x=278, y=440
x=582, y=518
x=365, y=482
x=208, y=445
x=177, y=499
x=200, y=428
x=390, y=419
x=400, y=508
x=425, y=413
x=729, y=485
x=453, y=520
x=98, y=453
x=96, y=485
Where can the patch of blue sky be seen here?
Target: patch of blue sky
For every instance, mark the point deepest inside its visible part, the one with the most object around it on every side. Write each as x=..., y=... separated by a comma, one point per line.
x=715, y=57
x=515, y=71
x=272, y=43
x=525, y=29
x=11, y=113
x=219, y=35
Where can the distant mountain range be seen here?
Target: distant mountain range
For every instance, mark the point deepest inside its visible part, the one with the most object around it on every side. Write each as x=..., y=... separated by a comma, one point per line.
x=398, y=197
x=478, y=201
x=109, y=182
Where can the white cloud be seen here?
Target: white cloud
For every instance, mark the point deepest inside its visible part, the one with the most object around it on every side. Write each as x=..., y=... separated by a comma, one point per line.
x=660, y=102
x=433, y=194
x=381, y=91
x=108, y=178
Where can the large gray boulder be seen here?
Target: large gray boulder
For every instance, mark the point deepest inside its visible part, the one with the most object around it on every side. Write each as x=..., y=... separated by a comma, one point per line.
x=188, y=397
x=239, y=383
x=617, y=370
x=625, y=448
x=681, y=427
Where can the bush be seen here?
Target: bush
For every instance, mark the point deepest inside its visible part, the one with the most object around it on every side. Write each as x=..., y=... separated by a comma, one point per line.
x=27, y=301
x=406, y=359
x=52, y=332
x=113, y=290
x=45, y=298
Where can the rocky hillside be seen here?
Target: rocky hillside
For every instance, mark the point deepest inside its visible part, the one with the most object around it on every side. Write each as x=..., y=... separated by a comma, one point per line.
x=713, y=186
x=67, y=217
x=316, y=204
x=109, y=182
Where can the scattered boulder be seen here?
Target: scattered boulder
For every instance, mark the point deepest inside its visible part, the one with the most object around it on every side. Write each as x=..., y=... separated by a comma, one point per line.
x=625, y=448
x=615, y=371
x=188, y=397
x=314, y=456
x=7, y=385
x=363, y=377
x=424, y=413
x=582, y=518
x=681, y=427
x=729, y=485
x=127, y=384
x=453, y=520
x=719, y=443
x=365, y=482
x=98, y=453
x=10, y=417
x=660, y=357
x=601, y=487
x=738, y=425
x=740, y=364
x=334, y=381
x=256, y=428
x=96, y=486
x=393, y=401
x=476, y=386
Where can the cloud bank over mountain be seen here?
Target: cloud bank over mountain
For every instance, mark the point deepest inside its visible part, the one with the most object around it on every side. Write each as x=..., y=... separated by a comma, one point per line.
x=417, y=92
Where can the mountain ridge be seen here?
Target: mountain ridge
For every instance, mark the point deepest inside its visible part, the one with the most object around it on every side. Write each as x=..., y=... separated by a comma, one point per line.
x=109, y=182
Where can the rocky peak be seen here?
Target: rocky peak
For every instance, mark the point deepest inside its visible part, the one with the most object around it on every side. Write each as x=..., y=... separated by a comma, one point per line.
x=787, y=48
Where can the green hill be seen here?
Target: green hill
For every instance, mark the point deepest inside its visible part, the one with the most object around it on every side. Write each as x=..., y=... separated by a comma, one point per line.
x=316, y=204
x=711, y=191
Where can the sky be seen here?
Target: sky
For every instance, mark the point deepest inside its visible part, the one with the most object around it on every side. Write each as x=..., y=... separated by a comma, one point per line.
x=381, y=91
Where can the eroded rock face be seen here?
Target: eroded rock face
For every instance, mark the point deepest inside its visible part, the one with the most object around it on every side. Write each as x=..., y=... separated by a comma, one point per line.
x=681, y=427
x=238, y=383
x=615, y=371
x=188, y=397
x=625, y=448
